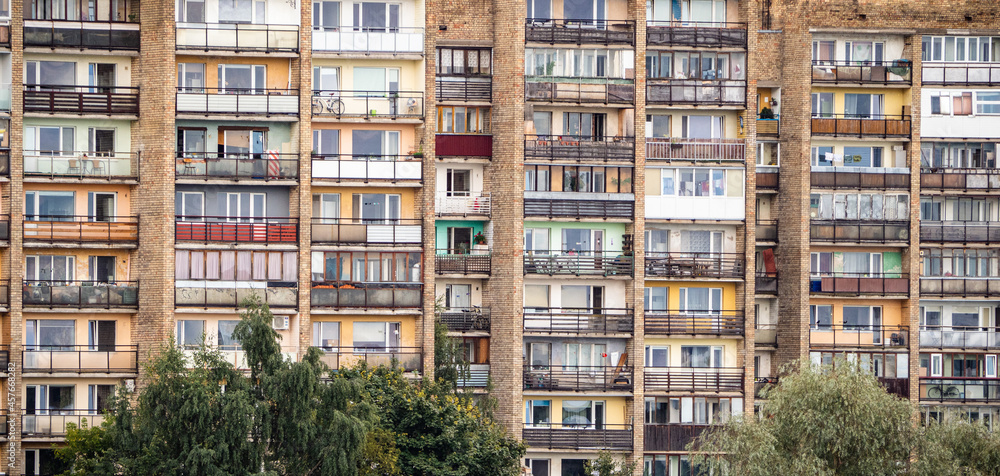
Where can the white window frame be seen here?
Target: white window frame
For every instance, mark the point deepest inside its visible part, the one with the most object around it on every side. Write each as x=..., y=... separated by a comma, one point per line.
x=936, y=365
x=650, y=349
x=254, y=214
x=184, y=198
x=254, y=87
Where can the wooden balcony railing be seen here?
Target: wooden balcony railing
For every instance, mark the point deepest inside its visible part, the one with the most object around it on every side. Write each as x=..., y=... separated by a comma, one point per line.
x=670, y=437
x=577, y=378
x=228, y=166
x=885, y=73
x=579, y=90
x=682, y=264
x=463, y=88
x=957, y=286
x=601, y=436
x=875, y=179
x=68, y=99
x=243, y=37
x=103, y=35
x=203, y=228
x=580, y=148
x=388, y=232
x=670, y=92
x=767, y=180
x=80, y=294
x=857, y=336
x=857, y=231
x=343, y=295
x=681, y=322
x=448, y=262
x=696, y=34
x=474, y=319
x=81, y=358
x=568, y=262
x=579, y=32
x=716, y=380
x=710, y=150
x=859, y=284
x=959, y=337
x=862, y=126
x=769, y=127
x=959, y=231
x=576, y=320
x=967, y=180
x=81, y=229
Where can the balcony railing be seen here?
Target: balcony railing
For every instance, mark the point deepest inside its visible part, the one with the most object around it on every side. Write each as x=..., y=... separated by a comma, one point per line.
x=767, y=230
x=717, y=379
x=368, y=104
x=767, y=180
x=81, y=229
x=769, y=127
x=682, y=264
x=4, y=162
x=81, y=358
x=474, y=319
x=266, y=230
x=975, y=180
x=846, y=125
x=80, y=294
x=967, y=389
x=5, y=34
x=541, y=207
x=766, y=283
x=580, y=32
x=231, y=294
x=352, y=39
x=565, y=377
x=401, y=231
x=861, y=284
x=463, y=145
x=474, y=376
x=559, y=262
x=235, y=355
x=577, y=320
x=696, y=34
x=837, y=178
x=4, y=295
x=856, y=231
x=960, y=74
x=81, y=165
x=102, y=35
x=677, y=322
x=229, y=166
x=960, y=231
x=367, y=295
x=60, y=99
x=243, y=37
x=449, y=262
x=958, y=337
x=55, y=422
x=899, y=387
x=884, y=73
x=711, y=150
x=235, y=101
x=463, y=203
x=856, y=336
x=409, y=358
x=366, y=168
x=580, y=148
x=602, y=436
x=960, y=286
x=579, y=90
x=464, y=88
x=670, y=92
x=765, y=334
x=670, y=437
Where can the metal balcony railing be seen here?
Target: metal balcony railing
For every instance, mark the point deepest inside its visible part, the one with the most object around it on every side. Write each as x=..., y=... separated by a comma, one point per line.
x=856, y=284
x=578, y=378
x=767, y=180
x=669, y=92
x=265, y=230
x=670, y=437
x=580, y=148
x=578, y=320
x=238, y=101
x=366, y=168
x=474, y=376
x=450, y=262
x=81, y=358
x=968, y=180
x=551, y=208
x=96, y=165
x=463, y=145
x=683, y=264
x=243, y=37
x=858, y=231
x=767, y=230
x=967, y=389
x=80, y=294
x=696, y=34
x=959, y=337
x=876, y=179
x=355, y=39
x=401, y=231
x=711, y=150
x=229, y=166
x=579, y=31
x=368, y=104
x=104, y=35
x=716, y=379
x=231, y=294
x=409, y=358
x=677, y=322
x=884, y=73
x=602, y=436
x=69, y=99
x=474, y=319
x=55, y=421
x=857, y=336
x=579, y=90
x=958, y=286
x=766, y=283
x=81, y=229
x=569, y=262
x=846, y=125
x=960, y=74
x=959, y=231
x=463, y=203
x=463, y=88
x=342, y=295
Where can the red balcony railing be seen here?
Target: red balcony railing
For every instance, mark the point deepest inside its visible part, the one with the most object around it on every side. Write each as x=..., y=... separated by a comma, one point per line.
x=81, y=99
x=677, y=322
x=578, y=320
x=236, y=229
x=81, y=229
x=846, y=125
x=463, y=145
x=578, y=378
x=717, y=379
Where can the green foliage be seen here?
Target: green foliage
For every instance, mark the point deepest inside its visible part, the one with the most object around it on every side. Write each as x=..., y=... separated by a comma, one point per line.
x=379, y=457
x=607, y=465
x=958, y=448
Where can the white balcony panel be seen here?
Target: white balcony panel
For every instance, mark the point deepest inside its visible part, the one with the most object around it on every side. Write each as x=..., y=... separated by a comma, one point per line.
x=958, y=127
x=394, y=233
x=695, y=208
x=406, y=40
x=366, y=169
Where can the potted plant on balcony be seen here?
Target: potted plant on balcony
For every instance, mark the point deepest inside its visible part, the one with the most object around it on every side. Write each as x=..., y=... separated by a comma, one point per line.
x=766, y=113
x=479, y=246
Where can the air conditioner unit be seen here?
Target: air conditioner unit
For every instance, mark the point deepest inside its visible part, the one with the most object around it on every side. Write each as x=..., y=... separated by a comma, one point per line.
x=280, y=323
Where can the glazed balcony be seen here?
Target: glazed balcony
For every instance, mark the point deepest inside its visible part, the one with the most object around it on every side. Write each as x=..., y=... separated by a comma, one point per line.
x=852, y=178
x=959, y=286
x=862, y=126
x=696, y=34
x=688, y=379
x=463, y=203
x=410, y=359
x=577, y=378
x=237, y=37
x=767, y=230
x=98, y=35
x=578, y=321
x=357, y=295
x=686, y=265
x=370, y=105
x=579, y=32
x=266, y=167
x=231, y=294
x=960, y=74
x=671, y=437
x=569, y=262
x=91, y=165
x=853, y=73
x=766, y=283
x=861, y=284
x=959, y=231
x=857, y=336
x=708, y=150
x=356, y=39
x=463, y=88
x=367, y=168
x=687, y=322
x=474, y=319
x=595, y=205
x=450, y=262
x=238, y=102
x=122, y=231
x=55, y=422
x=256, y=230
x=81, y=359
x=959, y=390
x=961, y=180
x=80, y=294
x=577, y=90
x=958, y=337
x=695, y=92
x=349, y=231
x=463, y=145
x=859, y=231
x=60, y=99
x=768, y=181
x=602, y=436
x=580, y=148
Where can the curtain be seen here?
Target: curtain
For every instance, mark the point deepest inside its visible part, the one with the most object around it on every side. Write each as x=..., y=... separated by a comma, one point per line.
x=182, y=264
x=228, y=265
x=243, y=268
x=290, y=267
x=197, y=265
x=212, y=265
x=274, y=263
x=260, y=266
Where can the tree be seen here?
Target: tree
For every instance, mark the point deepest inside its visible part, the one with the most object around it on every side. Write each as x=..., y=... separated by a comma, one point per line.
x=607, y=465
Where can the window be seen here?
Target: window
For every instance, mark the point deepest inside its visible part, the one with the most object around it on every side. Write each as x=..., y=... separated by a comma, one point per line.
x=375, y=82
x=657, y=355
x=58, y=269
x=539, y=467
x=99, y=398
x=50, y=74
x=659, y=64
x=701, y=356
x=960, y=49
x=191, y=77
x=864, y=52
x=536, y=296
x=820, y=317
x=768, y=154
x=582, y=241
x=539, y=9
x=326, y=16
x=930, y=210
x=536, y=178
x=584, y=10
x=858, y=318
x=376, y=16
x=823, y=51
x=536, y=240
x=326, y=334
x=701, y=300
x=987, y=102
x=822, y=104
x=374, y=208
x=359, y=266
x=190, y=333
x=326, y=80
x=709, y=66
x=582, y=414
x=701, y=127
x=702, y=182
x=864, y=206
x=49, y=141
x=375, y=145
x=273, y=266
x=464, y=61
x=700, y=243
x=50, y=334
x=458, y=182
x=458, y=296
x=868, y=106
x=191, y=11
x=236, y=11
x=578, y=63
x=930, y=318
x=101, y=269
x=375, y=336
x=584, y=124
x=326, y=207
x=101, y=336
x=226, y=340
x=657, y=241
x=191, y=142
x=242, y=78
x=688, y=410
x=970, y=155
x=538, y=412
x=326, y=142
x=655, y=299
x=190, y=206
x=971, y=263
x=463, y=120
x=658, y=126
x=585, y=355
x=49, y=206
x=245, y=206
x=43, y=399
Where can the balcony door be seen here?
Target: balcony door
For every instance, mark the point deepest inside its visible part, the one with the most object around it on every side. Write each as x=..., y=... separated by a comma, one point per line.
x=43, y=399
x=585, y=13
x=582, y=241
x=326, y=16
x=99, y=398
x=101, y=142
x=459, y=240
x=101, y=336
x=51, y=269
x=326, y=207
x=102, y=269
x=587, y=125
x=866, y=106
x=701, y=300
x=102, y=77
x=326, y=335
x=49, y=75
x=375, y=82
x=701, y=244
x=458, y=182
x=540, y=355
x=101, y=206
x=458, y=296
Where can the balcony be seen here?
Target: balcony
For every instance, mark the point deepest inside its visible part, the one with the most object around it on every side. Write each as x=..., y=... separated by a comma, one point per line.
x=81, y=359
x=5, y=35
x=579, y=90
x=463, y=88
x=695, y=92
x=855, y=231
x=101, y=35
x=256, y=230
x=352, y=295
x=409, y=358
x=569, y=262
x=97, y=166
x=238, y=37
x=570, y=436
x=578, y=321
x=688, y=379
x=853, y=73
x=238, y=102
x=859, y=284
x=54, y=423
x=959, y=231
x=81, y=230
x=957, y=390
x=367, y=168
x=671, y=437
x=463, y=203
x=686, y=322
x=370, y=105
x=838, y=177
x=269, y=166
x=958, y=337
x=4, y=162
x=600, y=205
x=81, y=294
x=463, y=145
x=768, y=181
x=964, y=180
x=695, y=150
x=857, y=336
x=58, y=99
x=235, y=355
x=766, y=335
x=959, y=287
x=686, y=265
x=960, y=74
x=367, y=40
x=580, y=148
x=766, y=283
x=449, y=262
x=231, y=294
x=769, y=128
x=863, y=127
x=4, y=300
x=474, y=319
x=696, y=34
x=348, y=231
x=767, y=230
x=474, y=376
x=899, y=387
x=580, y=32
x=576, y=378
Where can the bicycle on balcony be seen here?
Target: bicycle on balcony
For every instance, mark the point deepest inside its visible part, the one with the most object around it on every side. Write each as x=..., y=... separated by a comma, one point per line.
x=327, y=105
